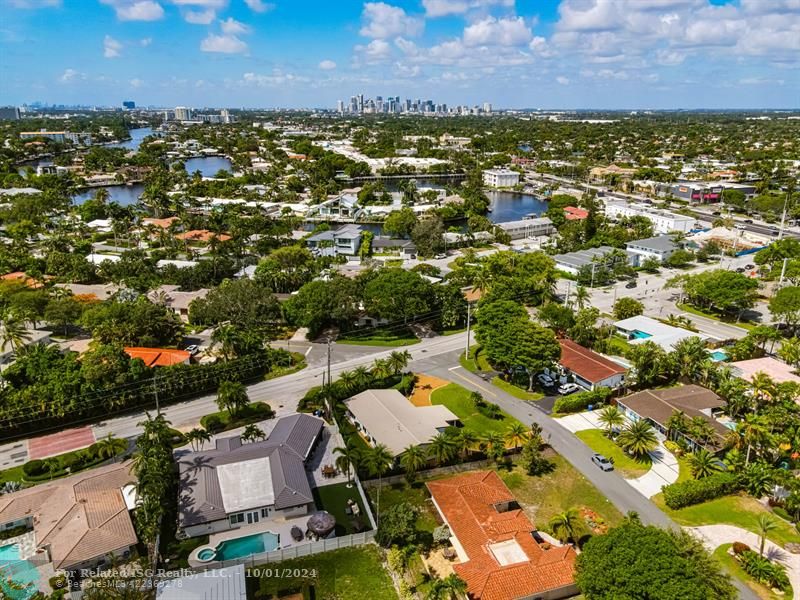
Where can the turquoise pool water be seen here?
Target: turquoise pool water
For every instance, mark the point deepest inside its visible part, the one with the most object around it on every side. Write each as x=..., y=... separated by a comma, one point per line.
x=640, y=335
x=23, y=573
x=245, y=546
x=719, y=355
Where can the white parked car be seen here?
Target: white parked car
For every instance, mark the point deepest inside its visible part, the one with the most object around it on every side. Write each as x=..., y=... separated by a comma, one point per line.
x=602, y=462
x=568, y=388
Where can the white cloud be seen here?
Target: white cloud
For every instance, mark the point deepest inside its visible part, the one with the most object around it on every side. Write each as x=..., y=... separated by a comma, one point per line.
x=145, y=42
x=224, y=44
x=383, y=21
x=233, y=27
x=327, y=65
x=406, y=72
x=259, y=6
x=199, y=17
x=111, y=47
x=375, y=51
x=136, y=10
x=497, y=32
x=277, y=78
x=561, y=80
x=212, y=4
x=442, y=8
x=136, y=83
x=71, y=75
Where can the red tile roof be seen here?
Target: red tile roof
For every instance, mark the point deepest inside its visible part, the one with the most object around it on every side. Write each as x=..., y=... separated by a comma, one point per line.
x=202, y=235
x=575, y=214
x=587, y=364
x=22, y=278
x=158, y=357
x=467, y=503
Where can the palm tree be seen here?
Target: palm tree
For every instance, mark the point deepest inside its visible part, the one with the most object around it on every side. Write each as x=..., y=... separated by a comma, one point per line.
x=377, y=461
x=611, y=416
x=110, y=447
x=381, y=369
x=765, y=525
x=232, y=396
x=676, y=424
x=348, y=380
x=762, y=387
x=638, y=438
x=516, y=434
x=362, y=376
x=581, y=297
x=567, y=525
x=702, y=463
x=754, y=431
x=442, y=448
x=51, y=465
x=197, y=438
x=494, y=445
x=701, y=430
x=252, y=433
x=466, y=440
x=447, y=588
x=13, y=333
x=412, y=460
x=347, y=459
x=398, y=360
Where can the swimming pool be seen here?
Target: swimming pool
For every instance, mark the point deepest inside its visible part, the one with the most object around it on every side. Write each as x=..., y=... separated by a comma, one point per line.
x=640, y=335
x=23, y=573
x=719, y=355
x=245, y=546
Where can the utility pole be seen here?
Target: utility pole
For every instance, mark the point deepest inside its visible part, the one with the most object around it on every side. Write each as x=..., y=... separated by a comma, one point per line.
x=469, y=319
x=591, y=284
x=329, y=362
x=783, y=216
x=155, y=392
x=783, y=272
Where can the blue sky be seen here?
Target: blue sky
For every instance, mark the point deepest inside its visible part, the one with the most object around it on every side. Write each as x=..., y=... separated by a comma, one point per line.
x=528, y=53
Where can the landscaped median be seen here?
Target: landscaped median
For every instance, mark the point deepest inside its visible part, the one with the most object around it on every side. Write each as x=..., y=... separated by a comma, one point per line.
x=734, y=567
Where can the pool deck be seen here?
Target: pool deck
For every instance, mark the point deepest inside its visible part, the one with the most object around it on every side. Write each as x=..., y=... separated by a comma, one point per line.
x=27, y=550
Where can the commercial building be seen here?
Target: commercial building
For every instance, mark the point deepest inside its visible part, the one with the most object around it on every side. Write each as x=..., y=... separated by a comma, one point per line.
x=705, y=192
x=84, y=139
x=660, y=248
x=573, y=262
x=500, y=178
x=78, y=522
x=663, y=221
x=642, y=329
x=183, y=114
x=239, y=484
x=501, y=555
x=527, y=228
x=9, y=113
x=589, y=369
x=600, y=174
x=657, y=406
x=387, y=417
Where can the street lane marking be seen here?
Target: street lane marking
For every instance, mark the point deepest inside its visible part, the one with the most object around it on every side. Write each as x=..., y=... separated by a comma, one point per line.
x=454, y=368
x=477, y=385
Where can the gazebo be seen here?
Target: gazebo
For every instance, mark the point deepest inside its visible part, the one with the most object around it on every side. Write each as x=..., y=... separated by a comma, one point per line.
x=321, y=523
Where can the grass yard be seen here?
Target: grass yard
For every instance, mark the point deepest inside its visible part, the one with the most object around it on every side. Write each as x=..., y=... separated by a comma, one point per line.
x=12, y=474
x=476, y=361
x=690, y=308
x=516, y=391
x=333, y=498
x=618, y=346
x=380, y=337
x=352, y=573
x=564, y=488
x=628, y=466
x=415, y=494
x=457, y=399
x=739, y=510
x=732, y=566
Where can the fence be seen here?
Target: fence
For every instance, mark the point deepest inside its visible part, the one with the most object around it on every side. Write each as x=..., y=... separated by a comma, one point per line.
x=292, y=552
x=435, y=472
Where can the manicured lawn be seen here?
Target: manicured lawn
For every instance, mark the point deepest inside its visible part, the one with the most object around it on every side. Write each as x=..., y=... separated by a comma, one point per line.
x=739, y=510
x=690, y=308
x=333, y=498
x=298, y=364
x=476, y=361
x=12, y=474
x=547, y=495
x=618, y=346
x=515, y=391
x=457, y=399
x=415, y=494
x=628, y=466
x=380, y=337
x=352, y=573
x=732, y=566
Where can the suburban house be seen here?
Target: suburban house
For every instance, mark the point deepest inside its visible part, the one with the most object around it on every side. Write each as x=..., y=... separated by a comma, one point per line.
x=776, y=369
x=159, y=357
x=589, y=369
x=93, y=291
x=238, y=484
x=77, y=521
x=178, y=302
x=527, y=228
x=657, y=406
x=387, y=417
x=499, y=178
x=660, y=247
x=402, y=248
x=573, y=213
x=344, y=206
x=34, y=337
x=346, y=240
x=501, y=555
x=640, y=329
x=202, y=236
x=573, y=262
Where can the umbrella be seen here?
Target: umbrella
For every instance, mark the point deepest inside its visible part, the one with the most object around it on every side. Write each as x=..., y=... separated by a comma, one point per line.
x=321, y=523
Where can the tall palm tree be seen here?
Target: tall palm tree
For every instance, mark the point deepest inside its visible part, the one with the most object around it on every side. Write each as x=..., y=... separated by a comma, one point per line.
x=638, y=438
x=754, y=430
x=516, y=434
x=347, y=459
x=765, y=525
x=378, y=460
x=348, y=380
x=232, y=396
x=381, y=369
x=762, y=386
x=702, y=463
x=701, y=430
x=110, y=447
x=412, y=460
x=611, y=416
x=197, y=438
x=398, y=360
x=494, y=445
x=442, y=448
x=252, y=433
x=567, y=526
x=466, y=440
x=362, y=376
x=13, y=333
x=581, y=297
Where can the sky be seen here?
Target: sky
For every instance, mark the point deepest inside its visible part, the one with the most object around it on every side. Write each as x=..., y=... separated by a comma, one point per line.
x=604, y=54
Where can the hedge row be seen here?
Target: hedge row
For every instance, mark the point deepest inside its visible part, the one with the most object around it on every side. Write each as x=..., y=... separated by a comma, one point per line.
x=68, y=463
x=222, y=421
x=695, y=491
x=315, y=397
x=581, y=401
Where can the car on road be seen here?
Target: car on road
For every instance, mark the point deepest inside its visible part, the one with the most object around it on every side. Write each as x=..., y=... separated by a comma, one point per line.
x=741, y=270
x=440, y=256
x=748, y=221
x=630, y=285
x=716, y=213
x=568, y=388
x=602, y=462
x=546, y=380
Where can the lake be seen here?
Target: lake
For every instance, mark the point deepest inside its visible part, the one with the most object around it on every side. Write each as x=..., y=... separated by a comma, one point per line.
x=208, y=165
x=125, y=195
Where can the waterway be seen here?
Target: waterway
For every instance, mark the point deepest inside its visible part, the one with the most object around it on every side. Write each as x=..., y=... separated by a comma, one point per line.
x=513, y=206
x=208, y=165
x=137, y=135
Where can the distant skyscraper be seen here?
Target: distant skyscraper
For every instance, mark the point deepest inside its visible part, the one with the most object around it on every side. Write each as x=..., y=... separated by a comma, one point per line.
x=487, y=107
x=183, y=114
x=225, y=116
x=340, y=107
x=9, y=113
x=129, y=104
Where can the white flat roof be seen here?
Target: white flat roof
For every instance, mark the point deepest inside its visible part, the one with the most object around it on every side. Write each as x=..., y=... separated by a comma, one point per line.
x=659, y=333
x=246, y=484
x=508, y=552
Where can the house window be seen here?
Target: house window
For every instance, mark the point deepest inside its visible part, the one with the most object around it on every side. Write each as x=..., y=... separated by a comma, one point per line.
x=236, y=519
x=265, y=513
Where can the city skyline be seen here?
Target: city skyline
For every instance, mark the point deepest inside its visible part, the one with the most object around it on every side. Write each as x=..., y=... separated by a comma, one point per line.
x=558, y=54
